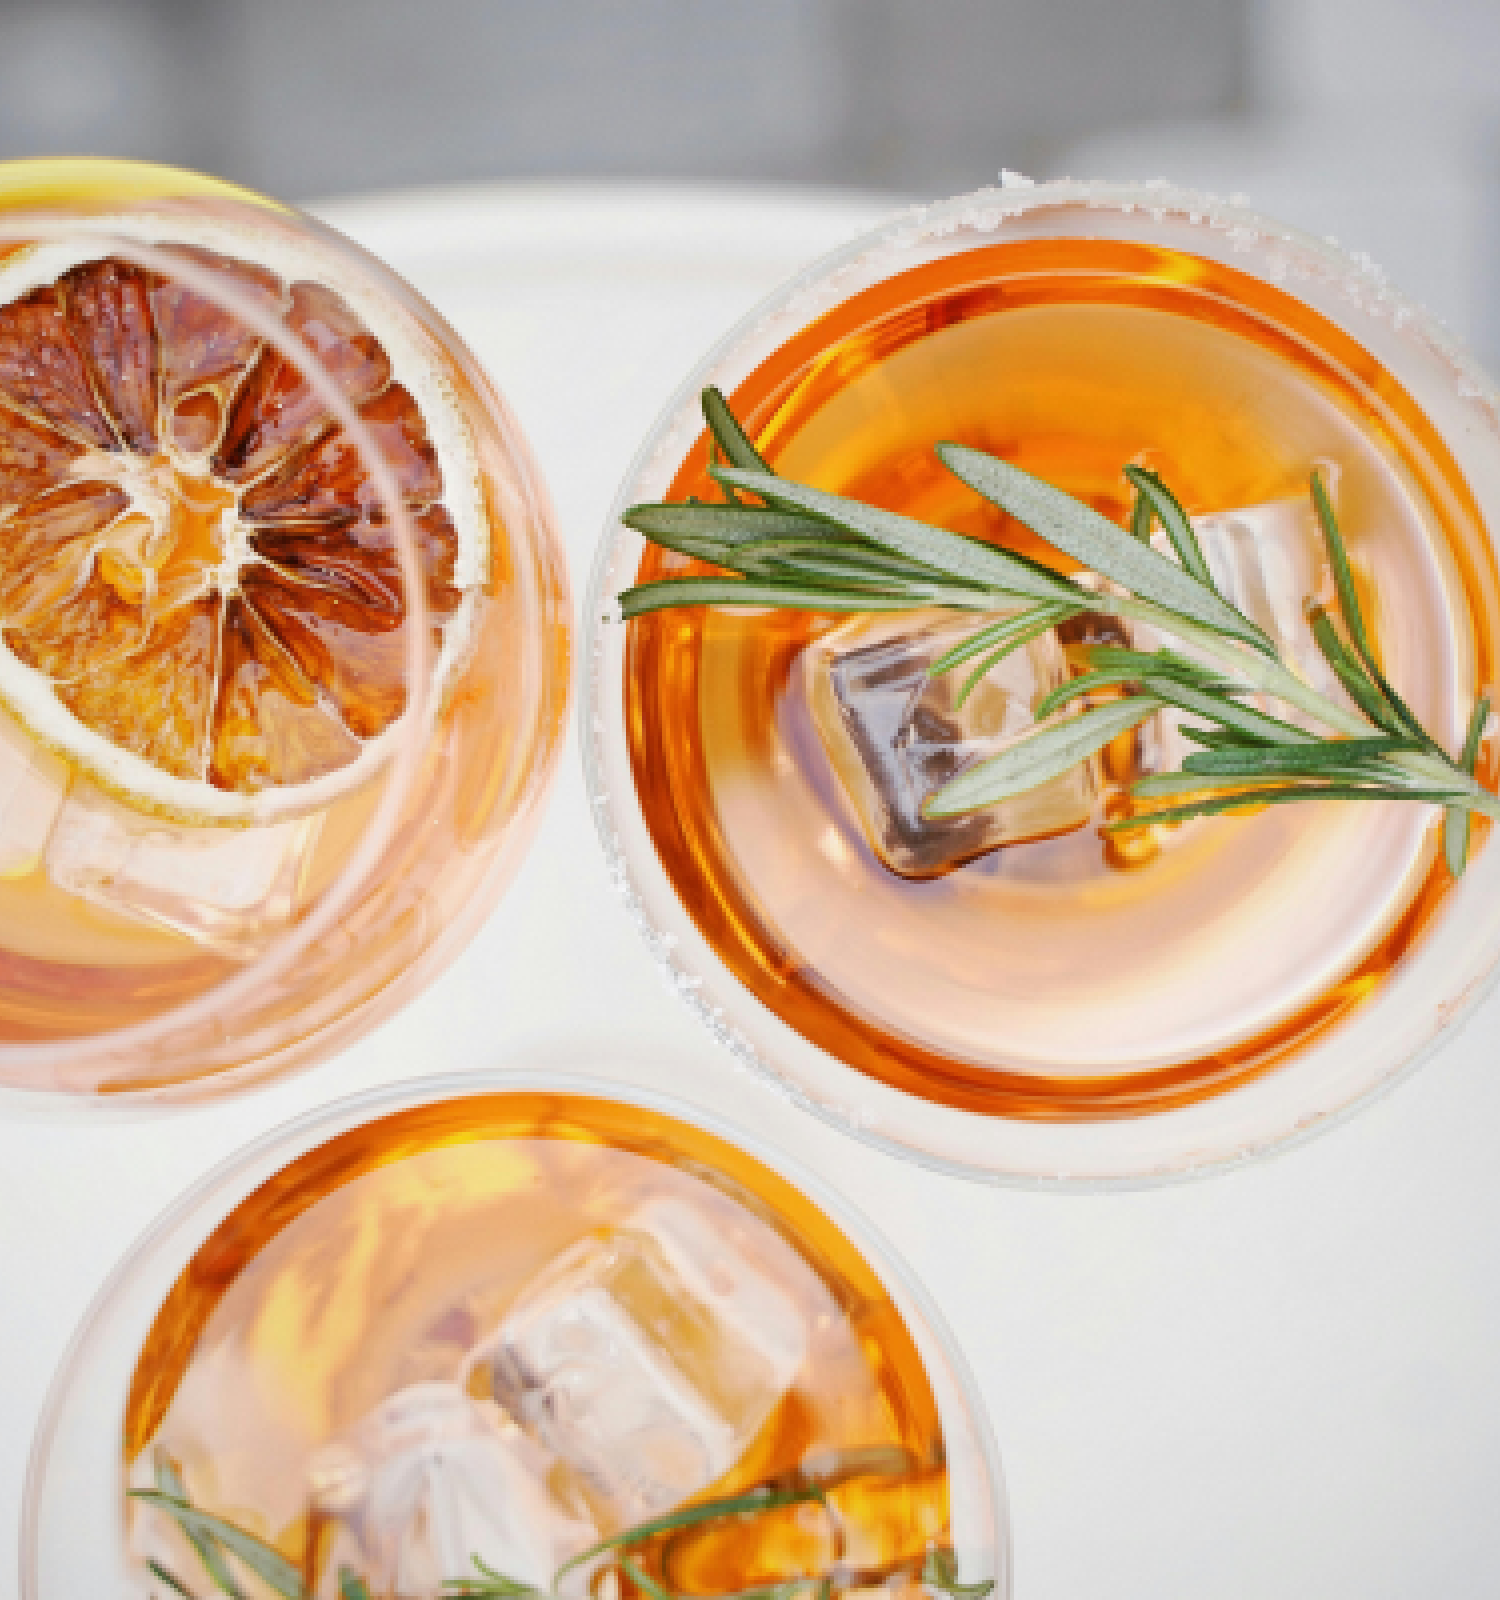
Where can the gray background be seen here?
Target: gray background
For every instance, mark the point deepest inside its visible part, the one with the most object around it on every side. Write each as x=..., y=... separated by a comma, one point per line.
x=1373, y=119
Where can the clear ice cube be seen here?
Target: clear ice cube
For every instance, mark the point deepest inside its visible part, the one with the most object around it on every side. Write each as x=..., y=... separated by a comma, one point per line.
x=895, y=735
x=432, y=1479
x=226, y=888
x=33, y=782
x=1268, y=560
x=647, y=1358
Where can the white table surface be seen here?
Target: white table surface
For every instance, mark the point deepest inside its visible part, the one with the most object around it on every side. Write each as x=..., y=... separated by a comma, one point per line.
x=1281, y=1383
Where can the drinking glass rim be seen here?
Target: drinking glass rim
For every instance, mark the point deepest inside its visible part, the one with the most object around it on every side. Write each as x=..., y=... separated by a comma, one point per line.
x=289, y=1141
x=966, y=221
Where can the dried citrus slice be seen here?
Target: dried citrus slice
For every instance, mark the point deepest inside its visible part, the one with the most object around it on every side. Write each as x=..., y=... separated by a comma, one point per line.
x=201, y=601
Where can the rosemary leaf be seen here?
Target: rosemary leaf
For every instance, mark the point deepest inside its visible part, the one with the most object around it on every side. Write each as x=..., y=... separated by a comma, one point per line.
x=1164, y=662
x=491, y=1585
x=730, y=437
x=1351, y=673
x=1081, y=532
x=1289, y=794
x=646, y=1585
x=262, y=1559
x=1354, y=622
x=994, y=633
x=726, y=524
x=1008, y=645
x=838, y=560
x=1112, y=666
x=1456, y=820
x=667, y=593
x=169, y=1482
x=715, y=458
x=1174, y=520
x=1403, y=712
x=856, y=552
x=1042, y=755
x=966, y=560
x=940, y=1571
x=1338, y=561
x=176, y=1585
x=1219, y=738
x=1222, y=709
x=750, y=1504
x=1141, y=518
x=698, y=548
x=1293, y=758
x=1469, y=760
x=1085, y=683
x=352, y=1586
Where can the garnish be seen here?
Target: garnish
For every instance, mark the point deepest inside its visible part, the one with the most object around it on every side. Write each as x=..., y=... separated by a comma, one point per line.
x=169, y=1482
x=800, y=548
x=491, y=1585
x=940, y=1572
x=159, y=1572
x=211, y=1534
x=213, y=1540
x=742, y=1505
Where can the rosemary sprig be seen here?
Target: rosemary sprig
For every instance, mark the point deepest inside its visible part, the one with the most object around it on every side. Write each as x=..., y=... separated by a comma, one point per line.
x=213, y=1538
x=490, y=1585
x=169, y=1482
x=754, y=1503
x=802, y=548
x=201, y=1527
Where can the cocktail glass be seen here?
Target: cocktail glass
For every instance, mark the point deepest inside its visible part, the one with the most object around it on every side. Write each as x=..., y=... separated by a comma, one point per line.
x=464, y=1161
x=170, y=941
x=1085, y=1082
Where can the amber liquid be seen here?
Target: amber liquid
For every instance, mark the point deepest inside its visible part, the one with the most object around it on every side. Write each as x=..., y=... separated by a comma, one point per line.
x=1062, y=979
x=379, y=1261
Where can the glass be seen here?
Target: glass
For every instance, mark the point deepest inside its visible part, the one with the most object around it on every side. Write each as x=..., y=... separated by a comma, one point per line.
x=753, y=1330
x=279, y=717
x=1065, y=1012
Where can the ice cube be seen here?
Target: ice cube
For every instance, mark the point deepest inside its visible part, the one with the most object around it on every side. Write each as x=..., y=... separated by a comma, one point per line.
x=1267, y=560
x=33, y=782
x=1156, y=745
x=647, y=1357
x=895, y=735
x=432, y=1479
x=226, y=888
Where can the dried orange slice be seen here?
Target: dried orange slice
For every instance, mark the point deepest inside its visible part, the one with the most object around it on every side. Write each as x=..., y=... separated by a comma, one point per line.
x=201, y=602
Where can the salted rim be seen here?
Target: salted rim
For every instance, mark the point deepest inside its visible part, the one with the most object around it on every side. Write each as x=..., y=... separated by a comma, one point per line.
x=29, y=694
x=1126, y=1153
